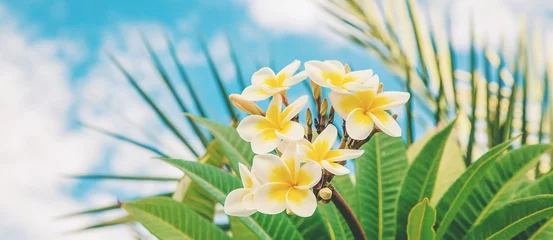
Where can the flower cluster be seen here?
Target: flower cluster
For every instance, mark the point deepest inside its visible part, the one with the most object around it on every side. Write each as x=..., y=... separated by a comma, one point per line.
x=292, y=171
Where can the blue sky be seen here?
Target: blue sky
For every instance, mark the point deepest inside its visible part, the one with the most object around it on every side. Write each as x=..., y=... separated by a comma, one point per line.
x=53, y=59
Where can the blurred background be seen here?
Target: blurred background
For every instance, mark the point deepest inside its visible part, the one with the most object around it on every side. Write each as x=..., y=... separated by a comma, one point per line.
x=56, y=76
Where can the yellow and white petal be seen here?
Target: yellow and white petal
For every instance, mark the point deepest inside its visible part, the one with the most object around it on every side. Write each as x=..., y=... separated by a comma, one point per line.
x=294, y=108
x=252, y=125
x=261, y=75
x=301, y=202
x=289, y=157
x=245, y=176
x=389, y=100
x=265, y=141
x=366, y=97
x=233, y=203
x=344, y=104
x=363, y=76
x=343, y=154
x=336, y=66
x=325, y=141
x=359, y=125
x=270, y=168
x=295, y=79
x=335, y=88
x=289, y=70
x=247, y=202
x=335, y=168
x=357, y=86
x=255, y=93
x=273, y=90
x=291, y=131
x=386, y=123
x=273, y=111
x=315, y=69
x=309, y=175
x=282, y=146
x=270, y=198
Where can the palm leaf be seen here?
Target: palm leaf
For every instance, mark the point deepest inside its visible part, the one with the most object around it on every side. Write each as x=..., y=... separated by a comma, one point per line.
x=421, y=222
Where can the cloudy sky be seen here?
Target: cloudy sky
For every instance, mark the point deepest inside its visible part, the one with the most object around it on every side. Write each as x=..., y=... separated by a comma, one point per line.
x=54, y=71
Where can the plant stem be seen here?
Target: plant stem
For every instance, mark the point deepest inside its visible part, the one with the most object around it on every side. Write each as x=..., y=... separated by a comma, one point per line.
x=348, y=215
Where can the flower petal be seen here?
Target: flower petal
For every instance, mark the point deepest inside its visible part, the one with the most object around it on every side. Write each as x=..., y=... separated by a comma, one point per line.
x=255, y=93
x=343, y=154
x=301, y=202
x=248, y=180
x=335, y=88
x=315, y=69
x=363, y=76
x=356, y=86
x=272, y=90
x=252, y=125
x=289, y=157
x=233, y=203
x=359, y=125
x=273, y=111
x=247, y=201
x=291, y=131
x=325, y=141
x=344, y=104
x=270, y=198
x=295, y=79
x=261, y=75
x=389, y=100
x=336, y=66
x=309, y=175
x=366, y=97
x=282, y=146
x=386, y=123
x=289, y=70
x=270, y=168
x=335, y=168
x=294, y=108
x=265, y=141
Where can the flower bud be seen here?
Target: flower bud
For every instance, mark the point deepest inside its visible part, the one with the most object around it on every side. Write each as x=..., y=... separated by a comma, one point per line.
x=325, y=193
x=316, y=91
x=347, y=68
x=246, y=106
x=289, y=212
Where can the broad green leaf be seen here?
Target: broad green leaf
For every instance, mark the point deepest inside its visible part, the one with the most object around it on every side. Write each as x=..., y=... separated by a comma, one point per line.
x=347, y=188
x=420, y=179
x=421, y=222
x=168, y=219
x=513, y=218
x=236, y=149
x=335, y=223
x=113, y=222
x=457, y=194
x=311, y=227
x=487, y=191
x=543, y=185
x=545, y=232
x=379, y=172
x=241, y=231
x=219, y=183
x=451, y=166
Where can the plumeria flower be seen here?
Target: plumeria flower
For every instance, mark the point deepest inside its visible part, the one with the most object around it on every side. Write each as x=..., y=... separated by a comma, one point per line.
x=363, y=110
x=286, y=185
x=266, y=132
x=321, y=152
x=331, y=74
x=265, y=83
x=239, y=202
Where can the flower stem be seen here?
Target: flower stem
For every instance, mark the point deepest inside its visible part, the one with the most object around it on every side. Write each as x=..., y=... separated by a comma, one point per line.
x=348, y=215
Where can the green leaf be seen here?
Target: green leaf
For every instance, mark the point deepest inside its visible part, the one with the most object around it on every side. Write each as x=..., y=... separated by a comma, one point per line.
x=545, y=232
x=451, y=167
x=421, y=222
x=513, y=218
x=457, y=194
x=543, y=185
x=311, y=227
x=347, y=188
x=219, y=183
x=241, y=231
x=236, y=149
x=168, y=219
x=379, y=172
x=420, y=179
x=335, y=223
x=487, y=192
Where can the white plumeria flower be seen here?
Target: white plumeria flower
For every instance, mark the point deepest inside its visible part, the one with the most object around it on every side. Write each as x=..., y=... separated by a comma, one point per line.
x=362, y=110
x=265, y=133
x=265, y=83
x=239, y=202
x=331, y=74
x=321, y=152
x=286, y=185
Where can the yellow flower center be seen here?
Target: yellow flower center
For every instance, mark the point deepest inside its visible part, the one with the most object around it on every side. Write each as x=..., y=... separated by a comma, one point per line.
x=336, y=78
x=277, y=81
